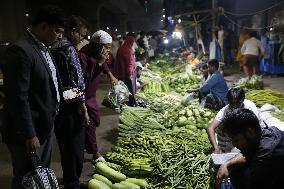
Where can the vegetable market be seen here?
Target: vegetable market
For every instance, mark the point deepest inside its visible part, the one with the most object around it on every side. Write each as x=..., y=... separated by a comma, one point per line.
x=165, y=143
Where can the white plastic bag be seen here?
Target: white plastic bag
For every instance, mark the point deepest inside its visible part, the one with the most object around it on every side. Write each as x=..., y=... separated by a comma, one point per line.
x=268, y=107
x=117, y=95
x=270, y=120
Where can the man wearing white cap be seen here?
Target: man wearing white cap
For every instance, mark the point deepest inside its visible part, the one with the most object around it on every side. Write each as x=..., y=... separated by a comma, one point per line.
x=93, y=58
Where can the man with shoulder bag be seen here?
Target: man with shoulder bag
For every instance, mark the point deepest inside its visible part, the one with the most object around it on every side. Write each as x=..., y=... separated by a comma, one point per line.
x=31, y=93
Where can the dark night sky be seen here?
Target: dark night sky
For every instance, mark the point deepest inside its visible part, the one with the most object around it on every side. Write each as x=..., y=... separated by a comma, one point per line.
x=134, y=10
x=137, y=18
x=121, y=14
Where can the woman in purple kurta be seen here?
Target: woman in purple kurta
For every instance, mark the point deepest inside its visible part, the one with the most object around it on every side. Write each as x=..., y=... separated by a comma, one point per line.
x=93, y=59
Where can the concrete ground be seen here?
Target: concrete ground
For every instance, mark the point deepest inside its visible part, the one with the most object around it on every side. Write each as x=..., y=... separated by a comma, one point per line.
x=107, y=132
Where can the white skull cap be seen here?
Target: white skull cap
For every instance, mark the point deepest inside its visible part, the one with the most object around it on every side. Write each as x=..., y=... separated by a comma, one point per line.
x=101, y=37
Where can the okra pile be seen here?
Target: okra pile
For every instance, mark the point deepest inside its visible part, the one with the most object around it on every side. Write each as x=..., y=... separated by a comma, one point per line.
x=178, y=157
x=279, y=115
x=261, y=97
x=184, y=163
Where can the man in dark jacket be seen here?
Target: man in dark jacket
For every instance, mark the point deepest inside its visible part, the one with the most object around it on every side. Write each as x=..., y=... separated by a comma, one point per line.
x=31, y=90
x=262, y=153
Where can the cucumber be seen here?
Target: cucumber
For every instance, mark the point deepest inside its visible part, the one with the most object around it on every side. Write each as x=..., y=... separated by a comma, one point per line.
x=120, y=186
x=126, y=183
x=96, y=184
x=139, y=182
x=109, y=173
x=102, y=179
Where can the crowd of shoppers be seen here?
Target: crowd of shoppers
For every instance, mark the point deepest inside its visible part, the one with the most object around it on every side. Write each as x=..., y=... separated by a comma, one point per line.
x=51, y=76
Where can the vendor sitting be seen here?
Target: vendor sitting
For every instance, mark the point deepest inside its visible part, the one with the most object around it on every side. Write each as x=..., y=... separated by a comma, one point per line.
x=260, y=164
x=236, y=98
x=205, y=76
x=203, y=61
x=213, y=92
x=186, y=52
x=191, y=59
x=205, y=73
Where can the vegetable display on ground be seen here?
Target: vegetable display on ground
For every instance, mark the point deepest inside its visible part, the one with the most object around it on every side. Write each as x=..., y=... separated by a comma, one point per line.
x=261, y=97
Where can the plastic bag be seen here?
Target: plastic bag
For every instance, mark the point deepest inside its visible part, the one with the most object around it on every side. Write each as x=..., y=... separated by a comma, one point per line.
x=270, y=120
x=116, y=96
x=268, y=107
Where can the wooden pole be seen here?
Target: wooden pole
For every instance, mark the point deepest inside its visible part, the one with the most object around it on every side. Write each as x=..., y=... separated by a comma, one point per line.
x=196, y=32
x=193, y=12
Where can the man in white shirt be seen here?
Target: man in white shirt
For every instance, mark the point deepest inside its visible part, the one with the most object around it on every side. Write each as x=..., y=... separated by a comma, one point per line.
x=236, y=98
x=252, y=49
